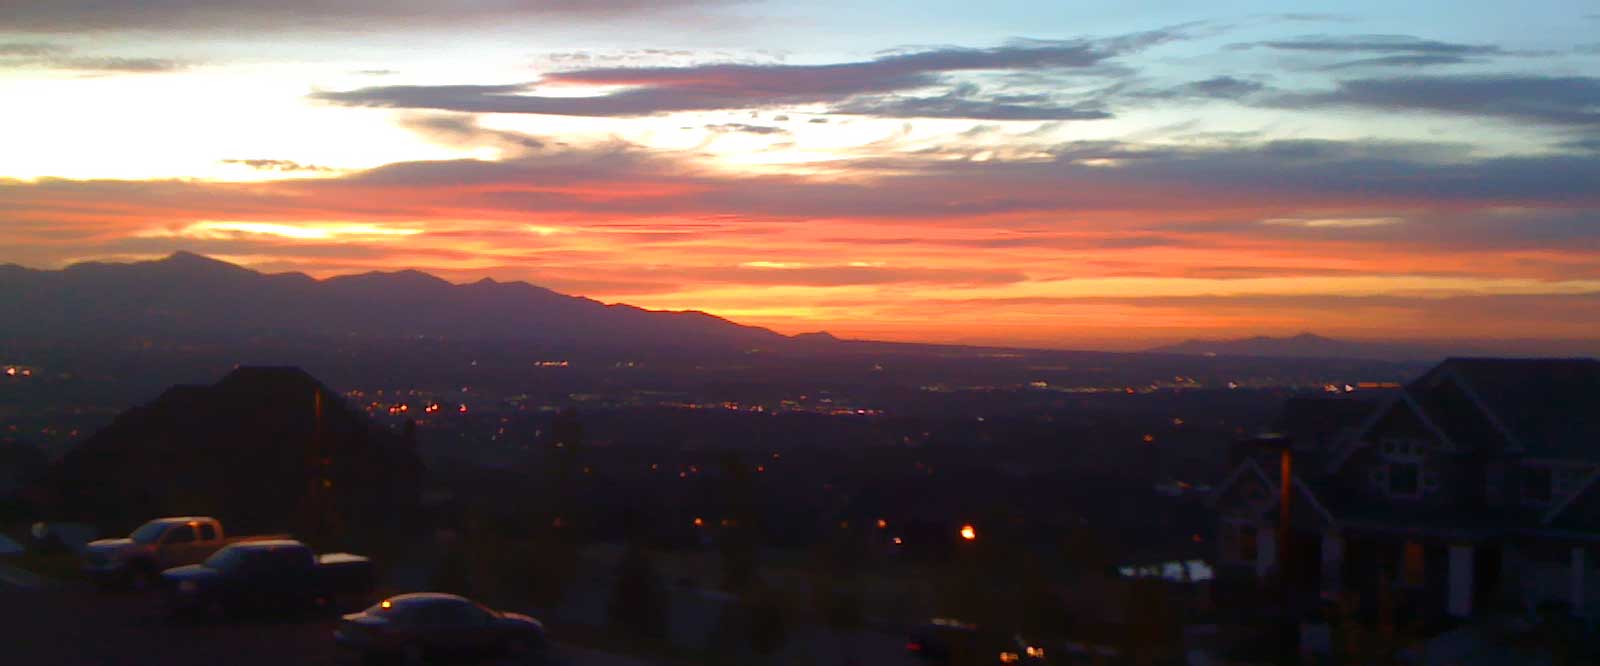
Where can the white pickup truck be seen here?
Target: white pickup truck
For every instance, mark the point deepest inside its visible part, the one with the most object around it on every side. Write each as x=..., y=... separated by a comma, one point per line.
x=138, y=560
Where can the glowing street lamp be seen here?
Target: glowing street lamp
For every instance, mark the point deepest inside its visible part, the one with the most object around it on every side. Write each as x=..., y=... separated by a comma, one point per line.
x=969, y=533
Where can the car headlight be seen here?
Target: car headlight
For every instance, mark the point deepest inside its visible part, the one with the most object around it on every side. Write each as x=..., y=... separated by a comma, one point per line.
x=188, y=587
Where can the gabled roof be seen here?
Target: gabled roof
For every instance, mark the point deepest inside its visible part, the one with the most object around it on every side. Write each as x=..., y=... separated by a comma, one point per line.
x=1250, y=468
x=1241, y=472
x=1403, y=399
x=1545, y=407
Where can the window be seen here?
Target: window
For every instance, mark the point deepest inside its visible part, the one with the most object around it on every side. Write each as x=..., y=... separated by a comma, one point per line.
x=179, y=534
x=226, y=559
x=1537, y=484
x=208, y=532
x=1405, y=479
x=148, y=532
x=457, y=613
x=1402, y=475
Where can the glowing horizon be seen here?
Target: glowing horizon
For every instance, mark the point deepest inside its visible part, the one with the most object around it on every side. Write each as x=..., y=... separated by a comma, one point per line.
x=1026, y=174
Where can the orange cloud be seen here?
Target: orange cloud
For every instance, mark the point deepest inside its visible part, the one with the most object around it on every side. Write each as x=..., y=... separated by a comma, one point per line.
x=1026, y=250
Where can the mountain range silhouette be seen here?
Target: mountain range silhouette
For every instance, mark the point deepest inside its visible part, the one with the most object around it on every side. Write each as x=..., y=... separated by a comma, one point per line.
x=187, y=297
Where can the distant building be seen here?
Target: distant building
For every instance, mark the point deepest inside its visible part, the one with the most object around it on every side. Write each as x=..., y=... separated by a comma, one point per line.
x=1474, y=487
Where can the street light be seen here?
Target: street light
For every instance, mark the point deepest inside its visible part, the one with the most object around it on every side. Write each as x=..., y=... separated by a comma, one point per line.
x=969, y=533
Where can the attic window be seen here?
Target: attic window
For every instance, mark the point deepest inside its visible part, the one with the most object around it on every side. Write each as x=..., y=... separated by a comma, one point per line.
x=1401, y=474
x=1405, y=479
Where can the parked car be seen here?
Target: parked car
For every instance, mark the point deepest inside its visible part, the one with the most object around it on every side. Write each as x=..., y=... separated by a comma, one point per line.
x=270, y=575
x=944, y=641
x=423, y=627
x=163, y=543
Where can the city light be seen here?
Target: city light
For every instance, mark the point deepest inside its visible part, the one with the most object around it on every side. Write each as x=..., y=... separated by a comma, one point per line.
x=969, y=532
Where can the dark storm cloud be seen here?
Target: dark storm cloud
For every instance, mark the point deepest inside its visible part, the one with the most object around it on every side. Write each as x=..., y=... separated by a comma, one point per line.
x=966, y=102
x=277, y=165
x=64, y=16
x=654, y=90
x=742, y=128
x=1565, y=100
x=1400, y=51
x=846, y=275
x=1447, y=201
x=1399, y=44
x=1415, y=60
x=1224, y=87
x=1217, y=87
x=116, y=64
x=30, y=49
x=55, y=56
x=458, y=130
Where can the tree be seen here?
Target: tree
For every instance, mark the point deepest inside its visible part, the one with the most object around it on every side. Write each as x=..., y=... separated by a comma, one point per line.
x=566, y=445
x=453, y=573
x=836, y=588
x=768, y=628
x=738, y=538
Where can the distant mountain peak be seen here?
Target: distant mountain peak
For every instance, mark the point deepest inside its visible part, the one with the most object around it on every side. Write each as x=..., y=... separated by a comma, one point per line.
x=1301, y=345
x=189, y=259
x=821, y=336
x=180, y=264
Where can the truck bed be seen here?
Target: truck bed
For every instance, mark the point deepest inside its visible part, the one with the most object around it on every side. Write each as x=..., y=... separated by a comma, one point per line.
x=345, y=579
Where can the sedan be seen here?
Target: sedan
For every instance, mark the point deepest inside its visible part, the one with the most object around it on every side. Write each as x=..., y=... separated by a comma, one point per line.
x=432, y=627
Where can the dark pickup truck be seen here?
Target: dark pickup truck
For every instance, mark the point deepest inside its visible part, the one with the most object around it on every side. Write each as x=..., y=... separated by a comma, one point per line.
x=277, y=575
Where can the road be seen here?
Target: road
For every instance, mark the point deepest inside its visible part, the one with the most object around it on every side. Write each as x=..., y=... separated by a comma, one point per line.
x=74, y=625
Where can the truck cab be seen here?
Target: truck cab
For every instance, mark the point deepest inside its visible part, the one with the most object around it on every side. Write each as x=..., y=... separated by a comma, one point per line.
x=160, y=544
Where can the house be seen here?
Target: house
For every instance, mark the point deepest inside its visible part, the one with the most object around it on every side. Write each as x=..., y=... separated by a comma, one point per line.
x=1473, y=487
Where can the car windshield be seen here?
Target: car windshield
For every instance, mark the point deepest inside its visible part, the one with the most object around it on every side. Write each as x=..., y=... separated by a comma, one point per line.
x=148, y=532
x=224, y=560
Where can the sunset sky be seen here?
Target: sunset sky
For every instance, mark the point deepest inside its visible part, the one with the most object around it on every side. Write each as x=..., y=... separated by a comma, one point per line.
x=1059, y=174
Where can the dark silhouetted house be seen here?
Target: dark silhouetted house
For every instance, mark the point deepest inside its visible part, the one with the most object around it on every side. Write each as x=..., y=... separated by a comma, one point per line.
x=265, y=448
x=1473, y=487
